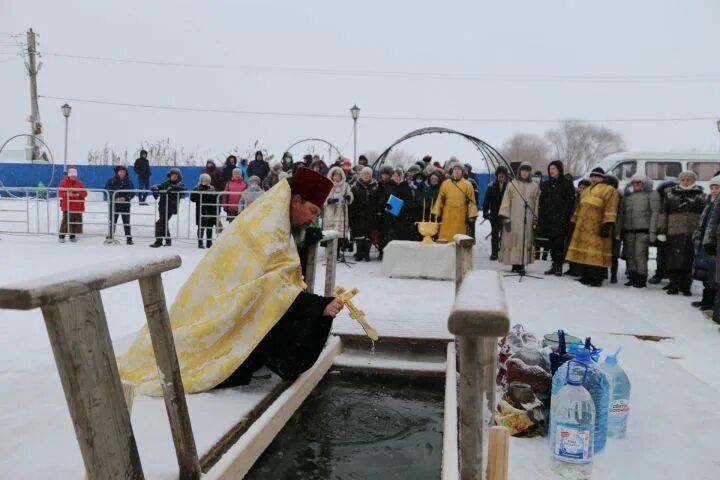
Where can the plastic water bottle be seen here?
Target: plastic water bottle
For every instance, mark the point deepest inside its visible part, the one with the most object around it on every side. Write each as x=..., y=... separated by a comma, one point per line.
x=619, y=396
x=573, y=412
x=596, y=383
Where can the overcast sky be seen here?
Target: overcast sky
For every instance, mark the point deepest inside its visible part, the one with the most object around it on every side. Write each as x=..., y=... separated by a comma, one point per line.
x=599, y=55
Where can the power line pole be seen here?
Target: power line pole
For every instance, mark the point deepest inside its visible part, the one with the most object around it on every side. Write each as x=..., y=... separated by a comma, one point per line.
x=32, y=70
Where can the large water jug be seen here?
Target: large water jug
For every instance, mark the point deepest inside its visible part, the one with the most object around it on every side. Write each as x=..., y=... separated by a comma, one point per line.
x=619, y=408
x=573, y=411
x=596, y=383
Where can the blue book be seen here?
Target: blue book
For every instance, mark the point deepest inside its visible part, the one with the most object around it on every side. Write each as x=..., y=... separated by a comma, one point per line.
x=395, y=205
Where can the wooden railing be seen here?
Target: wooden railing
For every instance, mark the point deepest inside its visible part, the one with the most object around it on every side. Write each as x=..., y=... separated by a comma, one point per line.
x=478, y=318
x=75, y=320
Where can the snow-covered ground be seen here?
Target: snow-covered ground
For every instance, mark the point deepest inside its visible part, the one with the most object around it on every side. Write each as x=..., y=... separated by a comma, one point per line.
x=680, y=371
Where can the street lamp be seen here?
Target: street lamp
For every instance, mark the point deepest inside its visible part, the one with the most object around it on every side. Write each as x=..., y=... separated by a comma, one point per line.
x=66, y=109
x=355, y=114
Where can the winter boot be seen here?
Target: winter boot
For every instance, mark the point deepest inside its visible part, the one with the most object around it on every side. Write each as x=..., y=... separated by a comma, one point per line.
x=73, y=239
x=551, y=271
x=168, y=242
x=158, y=243
x=494, y=257
x=61, y=239
x=201, y=244
x=208, y=243
x=672, y=290
x=640, y=281
x=697, y=304
x=596, y=282
x=129, y=241
x=632, y=280
x=655, y=279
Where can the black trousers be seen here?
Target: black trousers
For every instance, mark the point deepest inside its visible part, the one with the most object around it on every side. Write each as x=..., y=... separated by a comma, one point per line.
x=125, y=221
x=557, y=248
x=143, y=184
x=496, y=235
x=206, y=230
x=362, y=247
x=292, y=346
x=161, y=226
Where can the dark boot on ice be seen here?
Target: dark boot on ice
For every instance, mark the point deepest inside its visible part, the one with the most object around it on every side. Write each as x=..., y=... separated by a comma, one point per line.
x=640, y=281
x=158, y=243
x=130, y=241
x=208, y=244
x=631, y=281
x=200, y=244
x=655, y=279
x=168, y=242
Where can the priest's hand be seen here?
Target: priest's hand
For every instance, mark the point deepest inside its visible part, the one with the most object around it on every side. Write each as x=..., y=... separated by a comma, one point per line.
x=606, y=229
x=333, y=308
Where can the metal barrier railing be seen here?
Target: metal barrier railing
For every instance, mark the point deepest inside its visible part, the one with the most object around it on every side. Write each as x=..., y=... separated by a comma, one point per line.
x=32, y=210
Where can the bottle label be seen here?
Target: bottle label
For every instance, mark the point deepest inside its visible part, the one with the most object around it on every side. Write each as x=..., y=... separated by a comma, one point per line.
x=619, y=410
x=573, y=443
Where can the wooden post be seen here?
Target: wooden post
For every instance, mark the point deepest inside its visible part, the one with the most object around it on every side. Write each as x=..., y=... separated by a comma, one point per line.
x=311, y=268
x=158, y=320
x=85, y=359
x=463, y=258
x=498, y=451
x=331, y=247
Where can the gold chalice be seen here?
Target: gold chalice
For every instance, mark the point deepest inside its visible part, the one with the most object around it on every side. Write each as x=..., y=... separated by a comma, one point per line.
x=428, y=230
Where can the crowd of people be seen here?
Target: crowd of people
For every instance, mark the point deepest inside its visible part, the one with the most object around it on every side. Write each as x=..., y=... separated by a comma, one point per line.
x=589, y=227
x=594, y=226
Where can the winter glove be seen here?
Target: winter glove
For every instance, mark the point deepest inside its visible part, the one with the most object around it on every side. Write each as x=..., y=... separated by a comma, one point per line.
x=606, y=229
x=388, y=206
x=332, y=201
x=506, y=225
x=347, y=198
x=661, y=237
x=710, y=249
x=313, y=235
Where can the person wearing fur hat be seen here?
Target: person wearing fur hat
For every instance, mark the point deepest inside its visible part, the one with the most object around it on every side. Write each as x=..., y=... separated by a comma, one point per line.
x=594, y=219
x=258, y=167
x=121, y=191
x=231, y=163
x=168, y=195
x=250, y=288
x=252, y=193
x=335, y=216
x=216, y=175
x=455, y=205
x=143, y=172
x=72, y=195
x=491, y=208
x=679, y=218
x=362, y=213
x=557, y=198
x=637, y=226
x=233, y=192
x=362, y=161
x=518, y=213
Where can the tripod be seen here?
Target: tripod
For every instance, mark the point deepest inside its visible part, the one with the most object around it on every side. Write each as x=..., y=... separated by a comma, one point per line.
x=522, y=273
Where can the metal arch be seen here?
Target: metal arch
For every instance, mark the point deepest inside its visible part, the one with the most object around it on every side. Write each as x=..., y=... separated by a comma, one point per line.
x=490, y=155
x=321, y=140
x=52, y=158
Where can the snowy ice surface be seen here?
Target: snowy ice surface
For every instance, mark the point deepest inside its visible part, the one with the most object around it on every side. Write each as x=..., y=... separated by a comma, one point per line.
x=674, y=414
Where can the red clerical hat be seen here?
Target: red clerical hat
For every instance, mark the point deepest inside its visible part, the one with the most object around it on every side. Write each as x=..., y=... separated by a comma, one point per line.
x=311, y=186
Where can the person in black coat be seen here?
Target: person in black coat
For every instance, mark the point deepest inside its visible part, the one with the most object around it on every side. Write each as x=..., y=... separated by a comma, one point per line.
x=142, y=170
x=123, y=189
x=216, y=175
x=660, y=271
x=362, y=213
x=491, y=207
x=206, y=209
x=258, y=167
x=169, y=195
x=396, y=227
x=384, y=178
x=557, y=199
x=228, y=167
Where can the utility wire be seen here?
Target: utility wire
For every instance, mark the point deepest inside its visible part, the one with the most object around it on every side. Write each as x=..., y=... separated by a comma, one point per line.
x=376, y=117
x=417, y=75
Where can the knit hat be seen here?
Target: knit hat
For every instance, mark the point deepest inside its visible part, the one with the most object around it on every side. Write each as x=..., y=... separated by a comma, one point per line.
x=311, y=186
x=714, y=181
x=120, y=167
x=525, y=166
x=365, y=170
x=72, y=172
x=597, y=172
x=204, y=176
x=688, y=173
x=176, y=171
x=501, y=169
x=236, y=170
x=255, y=179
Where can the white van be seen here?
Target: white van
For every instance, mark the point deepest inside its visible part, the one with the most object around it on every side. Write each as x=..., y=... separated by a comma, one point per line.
x=661, y=166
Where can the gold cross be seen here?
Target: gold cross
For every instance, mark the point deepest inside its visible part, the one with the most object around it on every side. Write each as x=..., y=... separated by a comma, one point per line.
x=356, y=313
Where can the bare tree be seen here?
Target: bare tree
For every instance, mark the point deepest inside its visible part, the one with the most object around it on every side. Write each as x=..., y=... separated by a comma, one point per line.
x=396, y=158
x=525, y=147
x=581, y=146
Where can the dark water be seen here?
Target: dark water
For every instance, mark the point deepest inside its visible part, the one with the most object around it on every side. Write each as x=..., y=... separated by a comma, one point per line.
x=360, y=427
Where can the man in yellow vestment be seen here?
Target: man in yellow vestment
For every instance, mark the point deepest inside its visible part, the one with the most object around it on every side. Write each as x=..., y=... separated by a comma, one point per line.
x=455, y=204
x=244, y=306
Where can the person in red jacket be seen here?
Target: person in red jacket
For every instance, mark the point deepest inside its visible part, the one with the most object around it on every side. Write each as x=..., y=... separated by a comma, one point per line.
x=233, y=191
x=72, y=195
